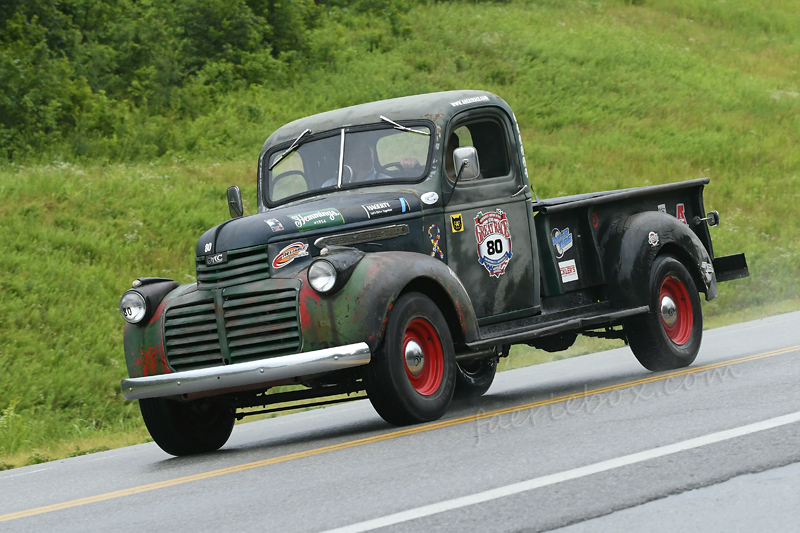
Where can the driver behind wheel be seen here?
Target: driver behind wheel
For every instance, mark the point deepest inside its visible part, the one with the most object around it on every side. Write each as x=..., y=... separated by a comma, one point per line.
x=360, y=157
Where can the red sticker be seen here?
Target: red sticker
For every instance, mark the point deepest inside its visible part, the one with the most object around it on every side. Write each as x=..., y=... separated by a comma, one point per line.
x=595, y=220
x=681, y=214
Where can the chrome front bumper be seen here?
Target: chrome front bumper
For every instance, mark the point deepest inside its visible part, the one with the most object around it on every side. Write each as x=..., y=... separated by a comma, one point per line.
x=249, y=373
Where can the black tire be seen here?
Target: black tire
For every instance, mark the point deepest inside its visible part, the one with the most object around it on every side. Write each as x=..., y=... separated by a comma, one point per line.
x=187, y=428
x=474, y=378
x=405, y=395
x=665, y=340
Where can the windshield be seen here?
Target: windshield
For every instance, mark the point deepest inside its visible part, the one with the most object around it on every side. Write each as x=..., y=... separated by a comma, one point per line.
x=372, y=156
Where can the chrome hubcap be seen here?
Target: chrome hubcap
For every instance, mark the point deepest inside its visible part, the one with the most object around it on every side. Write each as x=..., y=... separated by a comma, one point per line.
x=669, y=311
x=415, y=357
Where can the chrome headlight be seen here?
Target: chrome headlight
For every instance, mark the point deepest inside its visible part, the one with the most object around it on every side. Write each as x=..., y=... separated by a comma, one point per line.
x=133, y=307
x=322, y=276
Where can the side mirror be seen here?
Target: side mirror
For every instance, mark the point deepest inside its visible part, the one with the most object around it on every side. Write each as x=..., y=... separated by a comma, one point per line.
x=465, y=161
x=235, y=205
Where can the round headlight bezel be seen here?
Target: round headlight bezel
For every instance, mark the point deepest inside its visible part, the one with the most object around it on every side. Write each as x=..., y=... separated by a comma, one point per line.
x=133, y=307
x=322, y=276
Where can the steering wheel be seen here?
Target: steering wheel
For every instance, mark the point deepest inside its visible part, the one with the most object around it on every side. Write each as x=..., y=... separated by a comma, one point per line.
x=288, y=173
x=281, y=177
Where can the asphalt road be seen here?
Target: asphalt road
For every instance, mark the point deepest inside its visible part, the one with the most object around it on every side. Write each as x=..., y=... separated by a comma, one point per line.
x=594, y=443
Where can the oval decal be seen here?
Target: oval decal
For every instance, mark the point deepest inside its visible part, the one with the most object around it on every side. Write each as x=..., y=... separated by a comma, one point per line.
x=289, y=254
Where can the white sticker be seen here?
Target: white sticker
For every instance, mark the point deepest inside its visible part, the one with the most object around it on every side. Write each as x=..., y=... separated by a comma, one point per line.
x=662, y=208
x=207, y=247
x=473, y=100
x=429, y=198
x=652, y=238
x=569, y=272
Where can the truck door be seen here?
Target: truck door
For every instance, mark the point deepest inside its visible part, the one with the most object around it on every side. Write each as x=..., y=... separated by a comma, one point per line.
x=489, y=241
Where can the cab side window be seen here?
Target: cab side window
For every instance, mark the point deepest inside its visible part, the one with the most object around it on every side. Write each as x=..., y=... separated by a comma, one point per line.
x=488, y=138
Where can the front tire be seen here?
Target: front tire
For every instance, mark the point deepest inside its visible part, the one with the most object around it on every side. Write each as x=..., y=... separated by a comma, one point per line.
x=187, y=428
x=669, y=335
x=413, y=376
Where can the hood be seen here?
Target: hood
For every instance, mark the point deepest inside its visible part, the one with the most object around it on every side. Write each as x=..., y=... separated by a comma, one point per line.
x=313, y=219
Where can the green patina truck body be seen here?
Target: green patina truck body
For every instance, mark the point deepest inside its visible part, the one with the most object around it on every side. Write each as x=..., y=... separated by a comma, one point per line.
x=398, y=249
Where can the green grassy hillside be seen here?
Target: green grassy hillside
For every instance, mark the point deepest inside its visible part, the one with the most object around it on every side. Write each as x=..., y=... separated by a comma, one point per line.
x=608, y=94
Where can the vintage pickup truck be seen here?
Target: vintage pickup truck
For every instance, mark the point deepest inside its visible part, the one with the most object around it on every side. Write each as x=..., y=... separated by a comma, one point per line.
x=398, y=250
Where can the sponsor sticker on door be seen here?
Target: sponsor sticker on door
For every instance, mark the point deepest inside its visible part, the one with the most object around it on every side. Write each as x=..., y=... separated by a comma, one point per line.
x=494, y=241
x=569, y=272
x=457, y=223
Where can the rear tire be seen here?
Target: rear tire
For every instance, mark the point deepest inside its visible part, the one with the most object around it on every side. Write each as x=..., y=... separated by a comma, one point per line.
x=187, y=428
x=669, y=335
x=474, y=378
x=413, y=376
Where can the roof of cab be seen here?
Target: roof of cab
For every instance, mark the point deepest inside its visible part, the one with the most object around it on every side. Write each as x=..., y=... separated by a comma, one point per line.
x=437, y=107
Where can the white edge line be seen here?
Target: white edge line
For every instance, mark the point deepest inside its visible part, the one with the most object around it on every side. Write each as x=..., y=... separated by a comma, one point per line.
x=552, y=479
x=25, y=473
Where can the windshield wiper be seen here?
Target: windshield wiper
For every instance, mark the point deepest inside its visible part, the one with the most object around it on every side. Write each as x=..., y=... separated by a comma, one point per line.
x=399, y=127
x=289, y=150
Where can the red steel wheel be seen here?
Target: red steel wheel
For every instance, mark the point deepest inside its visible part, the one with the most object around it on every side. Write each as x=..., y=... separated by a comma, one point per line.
x=676, y=310
x=412, y=377
x=422, y=351
x=669, y=336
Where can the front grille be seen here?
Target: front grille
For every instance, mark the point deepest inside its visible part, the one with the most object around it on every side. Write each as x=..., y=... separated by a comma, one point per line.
x=258, y=321
x=190, y=335
x=262, y=324
x=243, y=266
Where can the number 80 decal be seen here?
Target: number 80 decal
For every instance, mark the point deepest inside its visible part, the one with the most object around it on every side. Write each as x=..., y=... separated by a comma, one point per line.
x=494, y=241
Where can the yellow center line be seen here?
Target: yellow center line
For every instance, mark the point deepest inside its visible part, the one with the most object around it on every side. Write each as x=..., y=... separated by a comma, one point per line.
x=379, y=438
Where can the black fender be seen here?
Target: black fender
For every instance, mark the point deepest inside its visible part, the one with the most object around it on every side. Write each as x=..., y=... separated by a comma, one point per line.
x=358, y=312
x=632, y=245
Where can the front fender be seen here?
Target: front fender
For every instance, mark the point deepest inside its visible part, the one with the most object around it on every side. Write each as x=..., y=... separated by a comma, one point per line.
x=144, y=343
x=359, y=311
x=630, y=250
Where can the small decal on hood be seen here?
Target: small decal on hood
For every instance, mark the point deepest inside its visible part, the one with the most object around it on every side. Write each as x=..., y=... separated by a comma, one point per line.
x=317, y=219
x=385, y=209
x=289, y=254
x=274, y=224
x=429, y=198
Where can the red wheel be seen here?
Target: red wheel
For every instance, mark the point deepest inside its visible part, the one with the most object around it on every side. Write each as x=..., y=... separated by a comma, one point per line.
x=676, y=310
x=412, y=378
x=422, y=351
x=669, y=336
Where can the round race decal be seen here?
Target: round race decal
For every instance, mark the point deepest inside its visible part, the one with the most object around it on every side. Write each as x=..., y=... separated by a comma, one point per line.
x=494, y=241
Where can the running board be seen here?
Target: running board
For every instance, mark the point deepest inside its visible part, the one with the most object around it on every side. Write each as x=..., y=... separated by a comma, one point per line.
x=567, y=324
